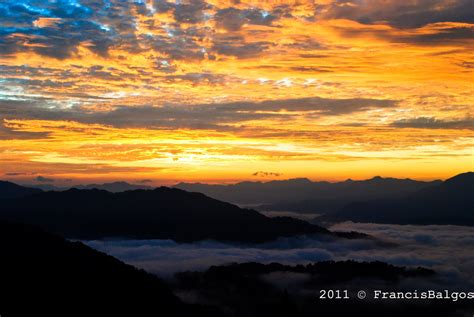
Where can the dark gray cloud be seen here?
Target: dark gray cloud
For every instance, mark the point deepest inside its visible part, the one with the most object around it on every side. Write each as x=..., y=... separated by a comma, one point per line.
x=206, y=116
x=266, y=174
x=230, y=19
x=235, y=45
x=241, y=50
x=65, y=82
x=197, y=78
x=192, y=12
x=447, y=36
x=35, y=108
x=16, y=174
x=43, y=179
x=178, y=44
x=233, y=19
x=433, y=123
x=401, y=14
x=323, y=106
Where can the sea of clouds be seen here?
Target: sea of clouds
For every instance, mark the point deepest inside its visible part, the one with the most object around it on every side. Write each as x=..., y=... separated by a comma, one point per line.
x=447, y=249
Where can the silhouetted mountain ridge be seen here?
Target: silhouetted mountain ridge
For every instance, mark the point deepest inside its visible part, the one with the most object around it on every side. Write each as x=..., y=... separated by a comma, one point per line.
x=326, y=271
x=114, y=187
x=451, y=202
x=162, y=213
x=304, y=195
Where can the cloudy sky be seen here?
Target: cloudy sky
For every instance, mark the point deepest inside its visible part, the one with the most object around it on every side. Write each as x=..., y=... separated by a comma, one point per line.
x=165, y=91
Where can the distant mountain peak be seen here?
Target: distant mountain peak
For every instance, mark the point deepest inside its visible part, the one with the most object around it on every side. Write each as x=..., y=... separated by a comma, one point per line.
x=118, y=186
x=117, y=183
x=448, y=202
x=377, y=178
x=305, y=190
x=300, y=180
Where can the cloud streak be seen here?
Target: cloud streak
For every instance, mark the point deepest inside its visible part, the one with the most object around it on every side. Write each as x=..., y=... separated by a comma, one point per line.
x=433, y=123
x=195, y=116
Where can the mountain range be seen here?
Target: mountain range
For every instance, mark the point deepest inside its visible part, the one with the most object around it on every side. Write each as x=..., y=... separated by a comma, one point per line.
x=451, y=202
x=171, y=213
x=162, y=213
x=304, y=195
x=42, y=273
x=113, y=187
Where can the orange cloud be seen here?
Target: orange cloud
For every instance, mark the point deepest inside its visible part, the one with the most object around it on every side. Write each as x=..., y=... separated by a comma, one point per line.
x=217, y=90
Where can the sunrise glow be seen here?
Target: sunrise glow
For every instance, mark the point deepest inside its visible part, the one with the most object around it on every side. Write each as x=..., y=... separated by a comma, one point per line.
x=218, y=91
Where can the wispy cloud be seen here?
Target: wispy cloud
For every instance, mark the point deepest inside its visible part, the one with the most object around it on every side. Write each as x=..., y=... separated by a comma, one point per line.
x=433, y=123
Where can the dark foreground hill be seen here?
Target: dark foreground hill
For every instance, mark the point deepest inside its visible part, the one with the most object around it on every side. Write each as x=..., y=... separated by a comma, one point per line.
x=254, y=289
x=44, y=275
x=451, y=202
x=163, y=213
x=303, y=195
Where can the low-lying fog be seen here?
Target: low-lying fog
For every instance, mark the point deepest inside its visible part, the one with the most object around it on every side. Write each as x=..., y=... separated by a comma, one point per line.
x=447, y=249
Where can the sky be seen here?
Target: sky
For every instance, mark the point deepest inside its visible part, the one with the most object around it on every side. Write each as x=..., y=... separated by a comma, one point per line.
x=222, y=91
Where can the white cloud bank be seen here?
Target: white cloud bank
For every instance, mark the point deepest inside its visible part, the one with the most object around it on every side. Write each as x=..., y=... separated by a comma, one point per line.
x=447, y=249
